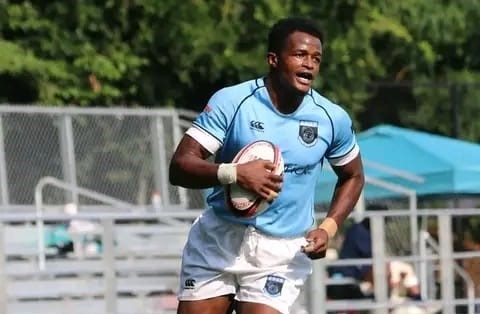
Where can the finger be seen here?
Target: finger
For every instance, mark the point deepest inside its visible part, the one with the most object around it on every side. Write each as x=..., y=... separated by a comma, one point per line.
x=309, y=247
x=264, y=193
x=267, y=194
x=312, y=251
x=273, y=186
x=268, y=165
x=272, y=195
x=275, y=178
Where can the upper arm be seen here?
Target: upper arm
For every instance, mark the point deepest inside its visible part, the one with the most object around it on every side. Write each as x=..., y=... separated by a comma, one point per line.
x=352, y=169
x=344, y=153
x=211, y=126
x=188, y=150
x=207, y=133
x=190, y=146
x=343, y=148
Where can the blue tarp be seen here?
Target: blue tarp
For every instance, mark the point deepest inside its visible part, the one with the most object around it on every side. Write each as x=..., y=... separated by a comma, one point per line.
x=448, y=166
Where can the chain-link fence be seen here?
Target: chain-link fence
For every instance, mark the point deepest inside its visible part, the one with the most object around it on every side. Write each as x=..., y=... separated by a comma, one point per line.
x=123, y=153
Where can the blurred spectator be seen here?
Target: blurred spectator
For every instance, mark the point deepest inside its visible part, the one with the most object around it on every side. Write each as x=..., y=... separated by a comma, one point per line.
x=84, y=233
x=403, y=281
x=358, y=244
x=59, y=238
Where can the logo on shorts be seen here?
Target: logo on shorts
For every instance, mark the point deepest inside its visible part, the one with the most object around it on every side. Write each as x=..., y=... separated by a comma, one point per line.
x=189, y=284
x=308, y=132
x=274, y=285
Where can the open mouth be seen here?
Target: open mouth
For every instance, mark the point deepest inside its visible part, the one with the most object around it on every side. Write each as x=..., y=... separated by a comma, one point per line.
x=304, y=77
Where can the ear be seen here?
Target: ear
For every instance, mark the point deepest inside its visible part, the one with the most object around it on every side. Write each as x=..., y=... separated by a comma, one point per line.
x=272, y=59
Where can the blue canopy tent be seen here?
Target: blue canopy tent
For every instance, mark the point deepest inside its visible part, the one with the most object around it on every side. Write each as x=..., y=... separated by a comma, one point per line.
x=431, y=165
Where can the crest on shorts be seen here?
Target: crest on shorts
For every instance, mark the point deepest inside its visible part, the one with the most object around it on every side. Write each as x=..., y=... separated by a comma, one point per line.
x=308, y=132
x=274, y=285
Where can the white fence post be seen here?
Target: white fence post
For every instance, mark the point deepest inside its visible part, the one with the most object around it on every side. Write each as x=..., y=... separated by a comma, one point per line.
x=446, y=262
x=67, y=149
x=109, y=267
x=3, y=271
x=379, y=262
x=160, y=159
x=3, y=169
x=177, y=136
x=316, y=289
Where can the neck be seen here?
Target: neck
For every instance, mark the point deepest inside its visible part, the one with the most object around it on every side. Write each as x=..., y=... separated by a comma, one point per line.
x=285, y=99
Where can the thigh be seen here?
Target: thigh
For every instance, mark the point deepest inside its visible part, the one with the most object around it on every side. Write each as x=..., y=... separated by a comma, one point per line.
x=212, y=245
x=251, y=307
x=217, y=305
x=273, y=293
x=280, y=271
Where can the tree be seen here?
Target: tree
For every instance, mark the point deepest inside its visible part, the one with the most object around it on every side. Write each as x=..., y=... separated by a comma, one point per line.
x=169, y=53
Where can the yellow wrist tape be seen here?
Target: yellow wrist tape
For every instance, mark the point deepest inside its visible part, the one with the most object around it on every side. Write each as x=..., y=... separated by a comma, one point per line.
x=330, y=226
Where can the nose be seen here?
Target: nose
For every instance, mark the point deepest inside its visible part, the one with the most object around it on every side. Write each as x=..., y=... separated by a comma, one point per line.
x=308, y=62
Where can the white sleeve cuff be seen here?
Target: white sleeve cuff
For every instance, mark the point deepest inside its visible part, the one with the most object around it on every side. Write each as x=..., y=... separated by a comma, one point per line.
x=205, y=139
x=345, y=159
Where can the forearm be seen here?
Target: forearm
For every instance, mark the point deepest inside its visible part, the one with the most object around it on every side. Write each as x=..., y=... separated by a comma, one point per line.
x=192, y=172
x=345, y=197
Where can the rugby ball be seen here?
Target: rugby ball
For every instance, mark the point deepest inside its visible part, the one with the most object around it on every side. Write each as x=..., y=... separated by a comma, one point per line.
x=241, y=201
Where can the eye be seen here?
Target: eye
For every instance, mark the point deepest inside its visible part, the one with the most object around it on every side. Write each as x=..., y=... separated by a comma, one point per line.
x=300, y=54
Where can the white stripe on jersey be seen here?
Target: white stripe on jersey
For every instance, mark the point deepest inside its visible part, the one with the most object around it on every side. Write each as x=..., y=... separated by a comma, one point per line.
x=208, y=141
x=343, y=160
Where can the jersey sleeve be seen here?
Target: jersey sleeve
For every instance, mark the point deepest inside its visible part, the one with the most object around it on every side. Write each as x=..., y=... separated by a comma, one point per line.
x=344, y=146
x=210, y=127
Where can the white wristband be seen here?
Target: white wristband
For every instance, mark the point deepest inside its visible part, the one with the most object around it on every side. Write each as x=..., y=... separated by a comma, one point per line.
x=227, y=173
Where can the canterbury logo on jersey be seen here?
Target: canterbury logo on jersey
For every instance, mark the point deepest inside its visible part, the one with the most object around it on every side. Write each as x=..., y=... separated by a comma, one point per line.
x=189, y=284
x=257, y=125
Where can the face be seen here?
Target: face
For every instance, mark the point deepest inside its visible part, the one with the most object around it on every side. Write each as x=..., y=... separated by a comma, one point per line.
x=298, y=64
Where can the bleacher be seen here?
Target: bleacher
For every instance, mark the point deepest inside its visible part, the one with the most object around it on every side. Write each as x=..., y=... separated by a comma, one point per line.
x=146, y=263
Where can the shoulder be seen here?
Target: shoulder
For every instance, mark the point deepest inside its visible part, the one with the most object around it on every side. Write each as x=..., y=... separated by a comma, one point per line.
x=335, y=112
x=224, y=103
x=238, y=92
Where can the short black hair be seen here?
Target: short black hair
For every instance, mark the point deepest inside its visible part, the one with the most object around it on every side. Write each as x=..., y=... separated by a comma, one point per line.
x=285, y=27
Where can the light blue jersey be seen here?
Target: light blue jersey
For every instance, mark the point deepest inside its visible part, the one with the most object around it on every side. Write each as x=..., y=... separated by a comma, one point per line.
x=238, y=115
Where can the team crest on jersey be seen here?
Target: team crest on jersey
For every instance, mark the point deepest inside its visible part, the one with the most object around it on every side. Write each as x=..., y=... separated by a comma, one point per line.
x=308, y=132
x=274, y=285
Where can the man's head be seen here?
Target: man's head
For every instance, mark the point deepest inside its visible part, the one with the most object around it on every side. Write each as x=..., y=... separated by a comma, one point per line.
x=295, y=53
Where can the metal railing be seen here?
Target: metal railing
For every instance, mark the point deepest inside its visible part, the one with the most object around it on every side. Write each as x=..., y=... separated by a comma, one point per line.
x=395, y=188
x=78, y=191
x=107, y=221
x=317, y=302
x=426, y=239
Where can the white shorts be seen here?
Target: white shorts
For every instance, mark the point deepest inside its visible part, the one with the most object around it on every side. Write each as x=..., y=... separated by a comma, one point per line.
x=224, y=258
